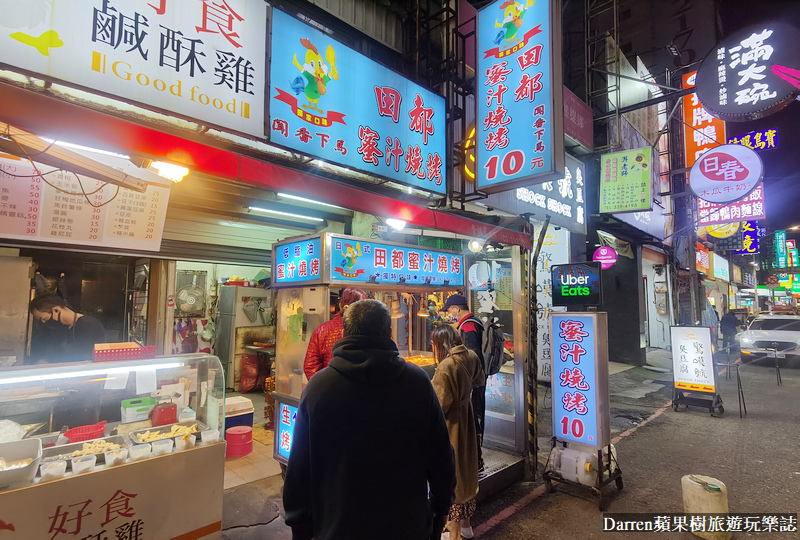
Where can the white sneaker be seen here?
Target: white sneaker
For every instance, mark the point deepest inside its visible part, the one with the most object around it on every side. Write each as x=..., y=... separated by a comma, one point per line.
x=467, y=533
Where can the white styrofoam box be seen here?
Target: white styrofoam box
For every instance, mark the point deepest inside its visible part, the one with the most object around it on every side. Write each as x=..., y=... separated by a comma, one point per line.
x=237, y=405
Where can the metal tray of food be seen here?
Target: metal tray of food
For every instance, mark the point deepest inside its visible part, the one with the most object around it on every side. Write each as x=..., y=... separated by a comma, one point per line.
x=66, y=451
x=166, y=431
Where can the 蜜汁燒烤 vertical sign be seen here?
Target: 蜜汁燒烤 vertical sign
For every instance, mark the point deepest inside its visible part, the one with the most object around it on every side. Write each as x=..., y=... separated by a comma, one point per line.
x=205, y=61
x=333, y=103
x=520, y=132
x=701, y=131
x=625, y=184
x=580, y=378
x=692, y=362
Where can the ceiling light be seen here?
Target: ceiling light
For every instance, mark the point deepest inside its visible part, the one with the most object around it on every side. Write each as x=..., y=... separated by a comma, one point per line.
x=410, y=190
x=287, y=214
x=312, y=201
x=475, y=246
x=796, y=227
x=396, y=224
x=176, y=173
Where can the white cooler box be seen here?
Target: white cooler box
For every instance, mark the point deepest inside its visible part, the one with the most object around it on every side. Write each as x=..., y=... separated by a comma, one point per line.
x=238, y=412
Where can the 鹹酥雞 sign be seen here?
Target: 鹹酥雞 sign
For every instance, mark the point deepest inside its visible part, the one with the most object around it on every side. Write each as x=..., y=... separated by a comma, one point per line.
x=580, y=378
x=520, y=120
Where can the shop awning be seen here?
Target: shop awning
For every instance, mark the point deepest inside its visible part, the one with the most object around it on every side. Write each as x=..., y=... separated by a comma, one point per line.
x=41, y=114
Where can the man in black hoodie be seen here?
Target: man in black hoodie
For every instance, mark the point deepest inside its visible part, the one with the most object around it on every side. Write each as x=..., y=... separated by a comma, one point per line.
x=369, y=439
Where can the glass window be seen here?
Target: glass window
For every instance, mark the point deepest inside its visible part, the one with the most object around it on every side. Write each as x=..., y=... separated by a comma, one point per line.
x=776, y=324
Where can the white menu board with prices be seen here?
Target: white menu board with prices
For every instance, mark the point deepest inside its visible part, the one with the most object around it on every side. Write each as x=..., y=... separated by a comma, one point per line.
x=71, y=210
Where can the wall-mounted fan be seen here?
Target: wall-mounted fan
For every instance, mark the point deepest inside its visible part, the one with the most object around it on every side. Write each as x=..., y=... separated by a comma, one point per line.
x=191, y=299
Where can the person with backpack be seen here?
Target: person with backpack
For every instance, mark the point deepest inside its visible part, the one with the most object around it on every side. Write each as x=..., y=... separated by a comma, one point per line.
x=471, y=329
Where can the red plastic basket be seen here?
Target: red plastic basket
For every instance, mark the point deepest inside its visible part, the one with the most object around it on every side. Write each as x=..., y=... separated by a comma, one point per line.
x=85, y=433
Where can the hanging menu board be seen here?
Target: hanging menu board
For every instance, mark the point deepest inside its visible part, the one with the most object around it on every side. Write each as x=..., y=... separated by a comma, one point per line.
x=58, y=211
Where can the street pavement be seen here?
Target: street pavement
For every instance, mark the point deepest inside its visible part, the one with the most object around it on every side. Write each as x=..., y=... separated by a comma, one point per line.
x=757, y=457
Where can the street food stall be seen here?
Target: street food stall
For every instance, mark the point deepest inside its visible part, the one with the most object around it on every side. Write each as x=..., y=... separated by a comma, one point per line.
x=121, y=449
x=307, y=269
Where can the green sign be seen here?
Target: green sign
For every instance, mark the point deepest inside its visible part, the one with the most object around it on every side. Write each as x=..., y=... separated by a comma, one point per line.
x=625, y=182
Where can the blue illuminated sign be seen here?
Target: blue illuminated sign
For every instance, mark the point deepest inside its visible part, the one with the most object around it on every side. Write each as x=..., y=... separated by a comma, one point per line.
x=331, y=102
x=287, y=415
x=297, y=262
x=575, y=392
x=749, y=238
x=516, y=135
x=780, y=249
x=360, y=262
x=757, y=140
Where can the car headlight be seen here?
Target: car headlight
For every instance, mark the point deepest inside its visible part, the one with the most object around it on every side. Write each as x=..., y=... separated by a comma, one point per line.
x=746, y=340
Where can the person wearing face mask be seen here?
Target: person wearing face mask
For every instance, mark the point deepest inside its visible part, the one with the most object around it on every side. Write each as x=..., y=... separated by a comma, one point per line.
x=471, y=329
x=83, y=331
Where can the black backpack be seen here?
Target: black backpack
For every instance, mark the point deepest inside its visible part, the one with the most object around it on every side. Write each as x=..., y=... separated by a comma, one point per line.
x=493, y=346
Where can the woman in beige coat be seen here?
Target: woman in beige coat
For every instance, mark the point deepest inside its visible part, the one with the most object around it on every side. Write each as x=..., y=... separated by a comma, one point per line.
x=458, y=370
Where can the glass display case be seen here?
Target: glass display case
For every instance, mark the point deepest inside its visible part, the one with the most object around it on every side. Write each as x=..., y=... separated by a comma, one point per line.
x=131, y=434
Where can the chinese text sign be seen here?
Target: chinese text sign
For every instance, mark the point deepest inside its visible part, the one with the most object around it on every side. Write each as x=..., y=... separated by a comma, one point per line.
x=750, y=207
x=701, y=131
x=519, y=133
x=555, y=250
x=625, y=181
x=749, y=238
x=297, y=262
x=331, y=102
x=757, y=140
x=781, y=259
x=203, y=60
x=579, y=397
x=703, y=263
x=359, y=261
x=32, y=209
x=287, y=416
x=692, y=362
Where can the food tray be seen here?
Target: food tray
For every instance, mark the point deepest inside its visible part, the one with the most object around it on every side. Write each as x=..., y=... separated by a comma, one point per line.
x=65, y=451
x=165, y=430
x=14, y=451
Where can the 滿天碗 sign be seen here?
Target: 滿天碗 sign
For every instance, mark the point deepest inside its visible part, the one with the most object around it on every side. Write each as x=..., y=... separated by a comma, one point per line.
x=625, y=184
x=333, y=103
x=520, y=137
x=200, y=60
x=752, y=73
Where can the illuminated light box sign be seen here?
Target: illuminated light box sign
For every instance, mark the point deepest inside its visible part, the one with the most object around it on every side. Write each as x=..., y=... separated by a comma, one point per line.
x=356, y=260
x=625, y=184
x=749, y=238
x=781, y=253
x=520, y=133
x=701, y=131
x=750, y=207
x=576, y=284
x=580, y=378
x=287, y=416
x=721, y=269
x=752, y=73
x=333, y=103
x=297, y=262
x=199, y=60
x=757, y=140
x=703, y=262
x=726, y=173
x=692, y=362
x=564, y=199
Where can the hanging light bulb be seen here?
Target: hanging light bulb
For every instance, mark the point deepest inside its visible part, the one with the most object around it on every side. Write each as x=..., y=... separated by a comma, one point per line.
x=396, y=313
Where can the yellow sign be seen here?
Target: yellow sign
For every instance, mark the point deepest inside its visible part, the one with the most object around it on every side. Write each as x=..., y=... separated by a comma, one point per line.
x=725, y=230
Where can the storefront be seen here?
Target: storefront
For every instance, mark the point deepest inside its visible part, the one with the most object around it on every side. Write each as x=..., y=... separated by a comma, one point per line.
x=657, y=287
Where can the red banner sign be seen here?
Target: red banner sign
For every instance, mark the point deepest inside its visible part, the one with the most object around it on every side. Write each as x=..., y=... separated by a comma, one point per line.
x=313, y=119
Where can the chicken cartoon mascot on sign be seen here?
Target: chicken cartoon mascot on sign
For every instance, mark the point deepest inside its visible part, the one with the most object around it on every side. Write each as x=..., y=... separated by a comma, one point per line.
x=315, y=74
x=513, y=12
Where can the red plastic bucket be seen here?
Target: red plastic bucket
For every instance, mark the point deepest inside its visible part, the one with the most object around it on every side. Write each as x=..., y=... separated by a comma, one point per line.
x=240, y=441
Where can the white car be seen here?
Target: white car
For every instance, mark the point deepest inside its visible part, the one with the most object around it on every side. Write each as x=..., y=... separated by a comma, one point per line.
x=778, y=332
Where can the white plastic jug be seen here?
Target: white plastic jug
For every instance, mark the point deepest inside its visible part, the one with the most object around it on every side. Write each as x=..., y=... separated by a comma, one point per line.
x=705, y=495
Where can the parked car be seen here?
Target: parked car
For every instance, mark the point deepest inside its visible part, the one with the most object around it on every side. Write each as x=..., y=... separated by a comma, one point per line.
x=780, y=332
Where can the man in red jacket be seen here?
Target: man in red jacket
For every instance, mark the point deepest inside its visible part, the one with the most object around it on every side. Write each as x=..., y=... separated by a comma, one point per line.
x=320, y=345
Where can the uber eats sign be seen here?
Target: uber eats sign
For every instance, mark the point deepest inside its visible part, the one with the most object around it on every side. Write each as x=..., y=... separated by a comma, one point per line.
x=576, y=284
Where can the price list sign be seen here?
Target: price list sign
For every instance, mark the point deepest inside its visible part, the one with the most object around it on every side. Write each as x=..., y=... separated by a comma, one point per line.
x=87, y=212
